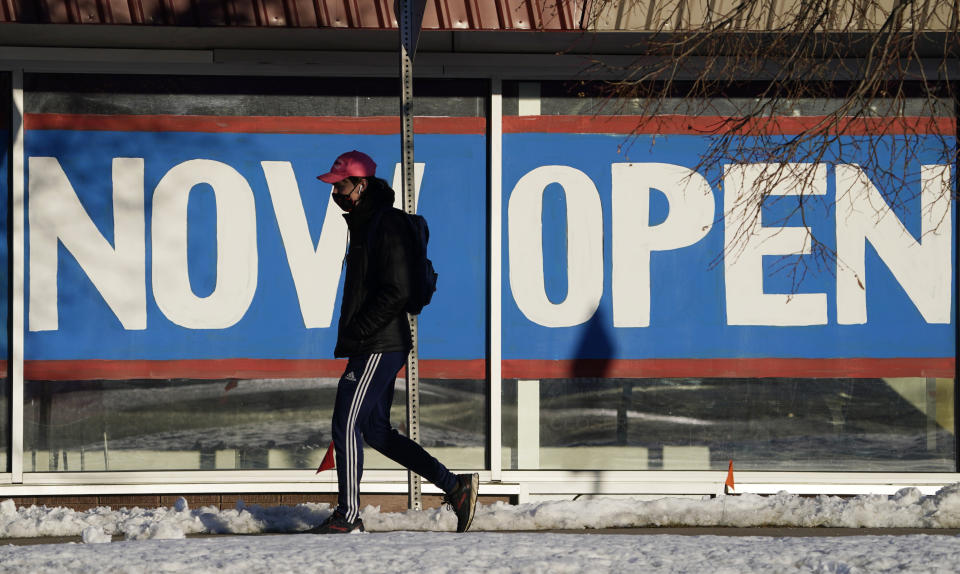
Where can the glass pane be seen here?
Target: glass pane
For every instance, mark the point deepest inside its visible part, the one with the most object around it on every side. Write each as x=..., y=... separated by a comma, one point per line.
x=453, y=422
x=584, y=98
x=260, y=97
x=226, y=425
x=161, y=337
x=852, y=425
x=176, y=424
x=677, y=294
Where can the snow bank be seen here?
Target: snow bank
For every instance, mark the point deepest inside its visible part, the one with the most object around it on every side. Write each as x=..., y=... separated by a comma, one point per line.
x=908, y=508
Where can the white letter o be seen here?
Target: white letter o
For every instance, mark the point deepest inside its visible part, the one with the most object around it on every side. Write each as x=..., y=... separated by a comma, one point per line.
x=584, y=247
x=236, y=246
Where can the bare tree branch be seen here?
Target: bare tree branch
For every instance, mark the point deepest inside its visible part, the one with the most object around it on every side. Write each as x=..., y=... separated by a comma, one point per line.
x=888, y=67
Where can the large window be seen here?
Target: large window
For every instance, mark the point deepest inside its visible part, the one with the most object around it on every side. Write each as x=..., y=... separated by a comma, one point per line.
x=184, y=267
x=226, y=424
x=681, y=291
x=852, y=425
x=666, y=304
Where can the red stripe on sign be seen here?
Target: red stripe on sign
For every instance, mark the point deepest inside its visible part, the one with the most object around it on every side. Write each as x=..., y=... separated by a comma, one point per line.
x=709, y=125
x=85, y=370
x=512, y=369
x=725, y=368
x=388, y=125
x=374, y=125
x=180, y=369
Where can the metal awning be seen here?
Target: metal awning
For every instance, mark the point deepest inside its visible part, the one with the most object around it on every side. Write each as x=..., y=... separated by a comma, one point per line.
x=369, y=14
x=546, y=15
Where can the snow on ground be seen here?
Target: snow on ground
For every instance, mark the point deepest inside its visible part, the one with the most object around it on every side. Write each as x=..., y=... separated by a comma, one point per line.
x=153, y=540
x=441, y=552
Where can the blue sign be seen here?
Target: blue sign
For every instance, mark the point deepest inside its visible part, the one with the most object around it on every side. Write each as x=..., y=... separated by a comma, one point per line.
x=271, y=324
x=199, y=246
x=717, y=284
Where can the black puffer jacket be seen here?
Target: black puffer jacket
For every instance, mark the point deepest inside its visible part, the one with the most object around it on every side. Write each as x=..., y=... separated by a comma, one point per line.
x=377, y=283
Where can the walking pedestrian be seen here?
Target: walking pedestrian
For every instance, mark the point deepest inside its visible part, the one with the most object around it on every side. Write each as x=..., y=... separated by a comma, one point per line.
x=374, y=335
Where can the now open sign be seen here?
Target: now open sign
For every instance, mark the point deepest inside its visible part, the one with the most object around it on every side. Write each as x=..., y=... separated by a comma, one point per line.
x=220, y=246
x=654, y=256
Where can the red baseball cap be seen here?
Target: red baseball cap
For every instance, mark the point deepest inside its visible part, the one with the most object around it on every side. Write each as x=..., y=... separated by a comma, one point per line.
x=351, y=164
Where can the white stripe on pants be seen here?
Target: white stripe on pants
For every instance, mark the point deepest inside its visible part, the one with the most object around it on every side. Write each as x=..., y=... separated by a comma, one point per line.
x=353, y=483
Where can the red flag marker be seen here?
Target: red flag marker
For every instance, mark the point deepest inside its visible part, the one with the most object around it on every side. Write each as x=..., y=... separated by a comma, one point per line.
x=729, y=482
x=328, y=462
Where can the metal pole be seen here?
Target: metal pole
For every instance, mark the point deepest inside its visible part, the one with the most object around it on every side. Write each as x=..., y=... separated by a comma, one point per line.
x=494, y=256
x=407, y=49
x=17, y=265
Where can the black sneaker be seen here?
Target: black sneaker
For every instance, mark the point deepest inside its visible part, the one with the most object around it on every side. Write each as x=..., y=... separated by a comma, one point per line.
x=463, y=499
x=337, y=523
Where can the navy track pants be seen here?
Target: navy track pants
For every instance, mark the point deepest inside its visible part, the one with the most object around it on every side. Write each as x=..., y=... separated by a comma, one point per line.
x=362, y=412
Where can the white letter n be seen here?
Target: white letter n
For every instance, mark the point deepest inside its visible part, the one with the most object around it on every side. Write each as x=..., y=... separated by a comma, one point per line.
x=56, y=214
x=921, y=266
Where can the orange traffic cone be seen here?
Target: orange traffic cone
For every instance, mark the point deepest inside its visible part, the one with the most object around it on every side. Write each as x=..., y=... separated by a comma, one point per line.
x=328, y=461
x=728, y=484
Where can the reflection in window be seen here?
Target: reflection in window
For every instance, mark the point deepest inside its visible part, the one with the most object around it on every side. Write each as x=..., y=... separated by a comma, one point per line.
x=220, y=425
x=453, y=423
x=595, y=98
x=893, y=425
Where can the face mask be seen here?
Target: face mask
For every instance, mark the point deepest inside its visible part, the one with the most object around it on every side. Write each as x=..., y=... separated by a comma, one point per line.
x=343, y=201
